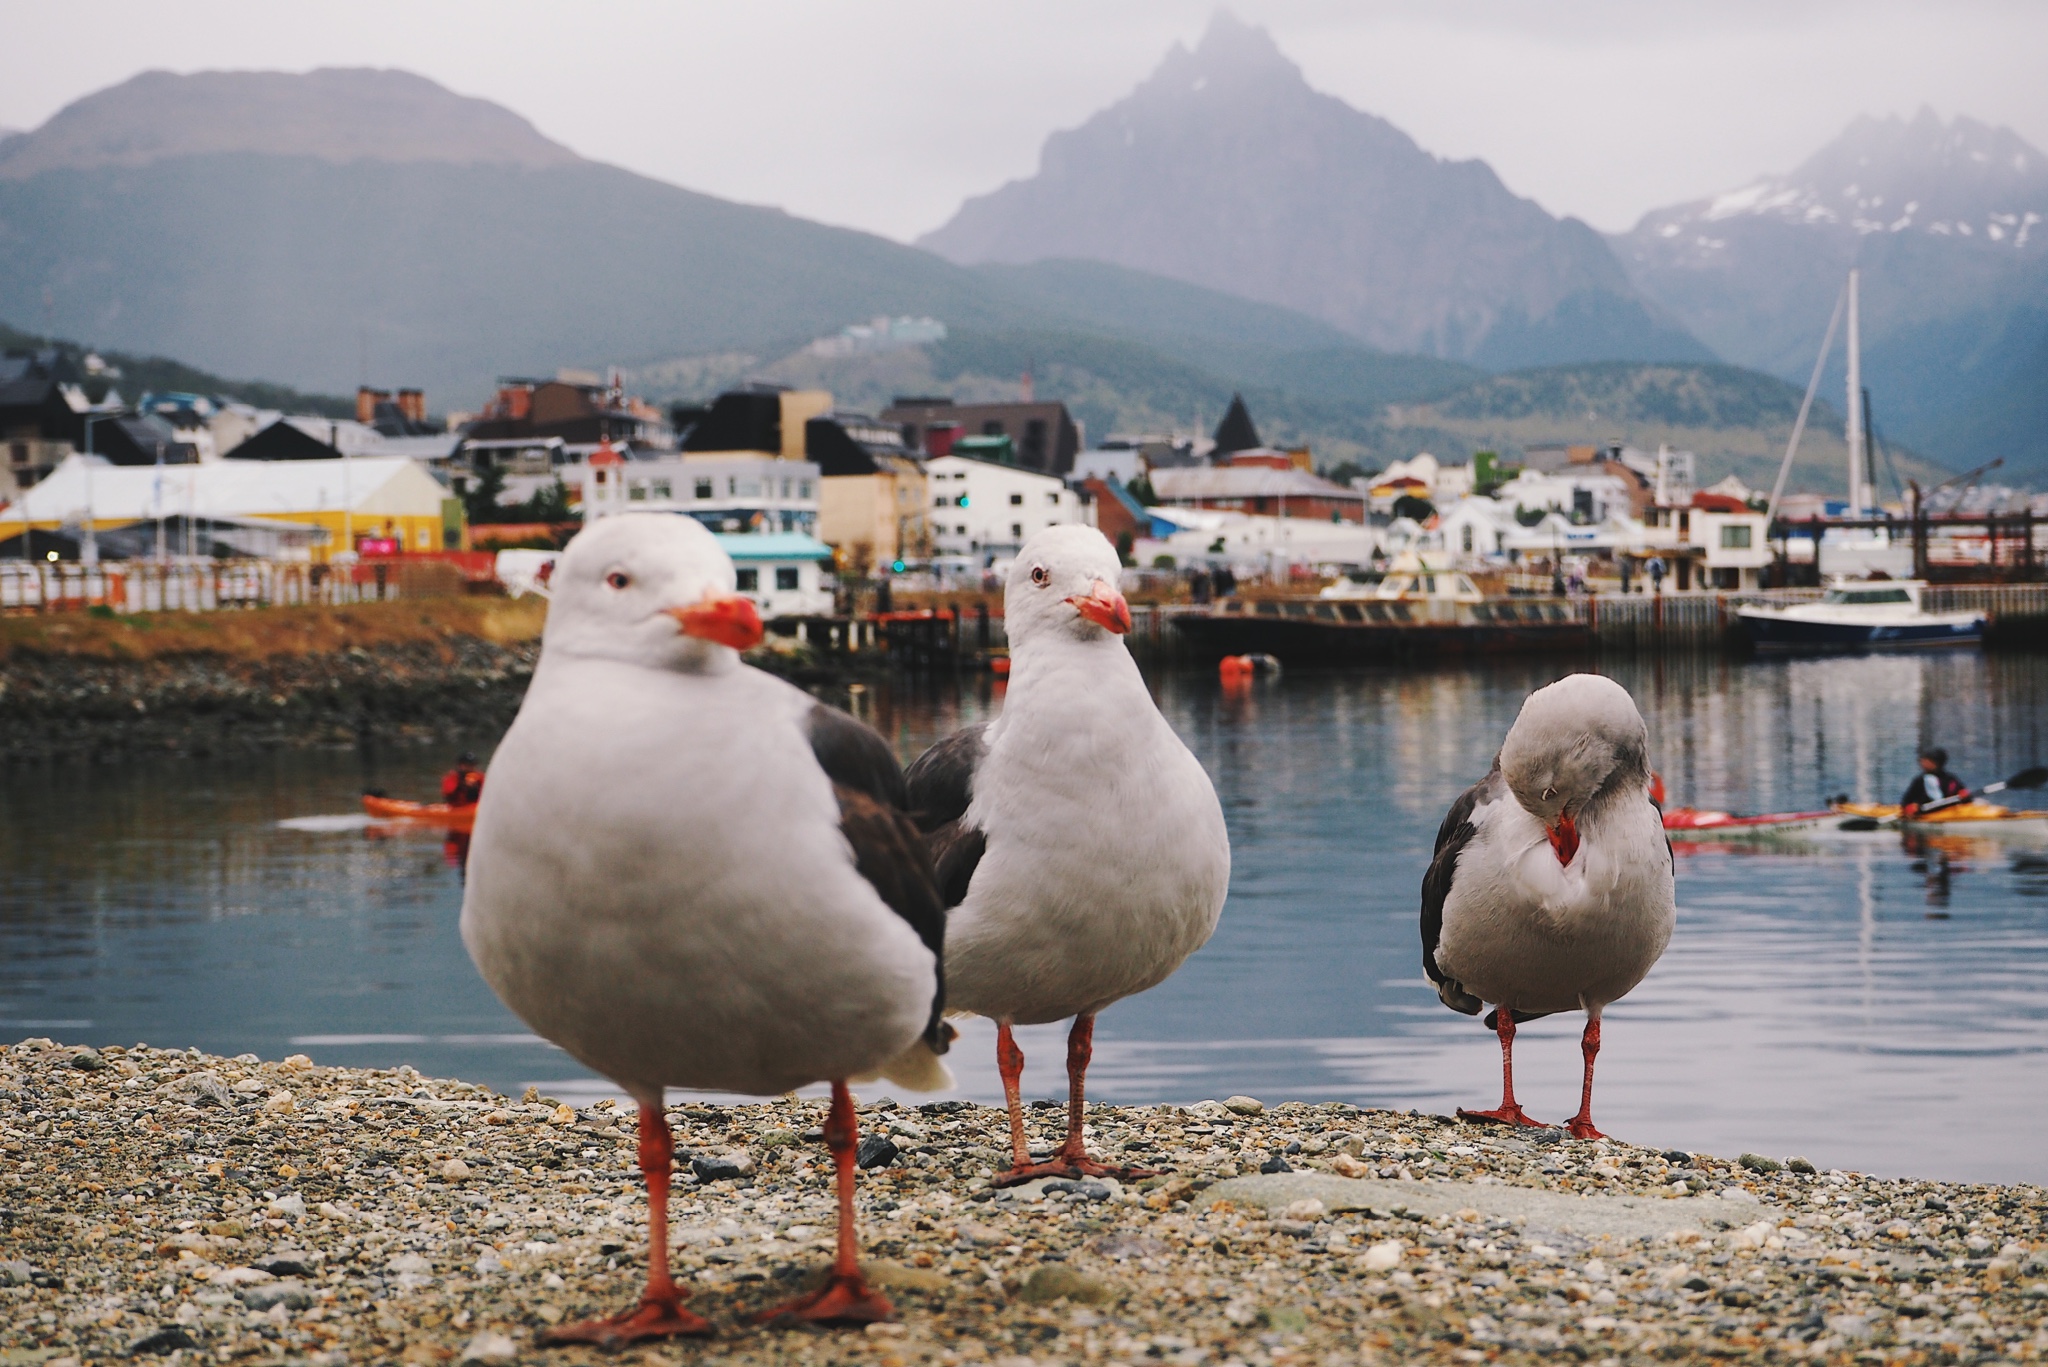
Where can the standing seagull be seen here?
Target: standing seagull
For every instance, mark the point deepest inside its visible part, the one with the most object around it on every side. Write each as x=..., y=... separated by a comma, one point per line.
x=1078, y=843
x=690, y=874
x=1551, y=889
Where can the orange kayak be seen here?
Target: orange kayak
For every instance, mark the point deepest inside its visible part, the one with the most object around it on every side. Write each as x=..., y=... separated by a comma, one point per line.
x=426, y=813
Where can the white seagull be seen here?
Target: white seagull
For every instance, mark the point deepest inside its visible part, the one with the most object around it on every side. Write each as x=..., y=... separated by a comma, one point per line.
x=1551, y=888
x=689, y=874
x=1078, y=843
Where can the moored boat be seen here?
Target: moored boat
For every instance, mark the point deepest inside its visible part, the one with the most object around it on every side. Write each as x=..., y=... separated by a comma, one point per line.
x=446, y=816
x=1861, y=615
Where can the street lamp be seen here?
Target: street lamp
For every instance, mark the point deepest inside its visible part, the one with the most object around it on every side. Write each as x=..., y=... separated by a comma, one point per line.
x=89, y=552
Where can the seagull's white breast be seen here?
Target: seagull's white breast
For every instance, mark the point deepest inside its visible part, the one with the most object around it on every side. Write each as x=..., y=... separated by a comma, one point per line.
x=658, y=884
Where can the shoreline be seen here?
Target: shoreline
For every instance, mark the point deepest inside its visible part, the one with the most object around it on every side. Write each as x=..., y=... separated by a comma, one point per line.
x=164, y=1201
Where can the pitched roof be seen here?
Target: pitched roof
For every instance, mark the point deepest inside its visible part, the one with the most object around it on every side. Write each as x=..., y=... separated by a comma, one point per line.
x=1235, y=432
x=376, y=486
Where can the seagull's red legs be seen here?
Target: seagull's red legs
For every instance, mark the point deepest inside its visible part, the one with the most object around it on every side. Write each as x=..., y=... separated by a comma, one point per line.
x=1581, y=1125
x=846, y=1298
x=1072, y=1160
x=1509, y=1111
x=660, y=1313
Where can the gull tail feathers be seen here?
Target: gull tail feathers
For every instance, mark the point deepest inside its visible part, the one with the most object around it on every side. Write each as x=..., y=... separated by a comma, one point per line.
x=917, y=1068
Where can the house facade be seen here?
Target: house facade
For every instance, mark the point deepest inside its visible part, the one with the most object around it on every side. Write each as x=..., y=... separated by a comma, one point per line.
x=985, y=511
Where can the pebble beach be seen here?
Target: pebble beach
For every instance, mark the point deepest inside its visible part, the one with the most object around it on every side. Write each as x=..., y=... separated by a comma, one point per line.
x=172, y=1206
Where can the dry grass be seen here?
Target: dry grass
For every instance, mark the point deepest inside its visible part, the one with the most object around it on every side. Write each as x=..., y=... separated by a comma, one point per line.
x=266, y=633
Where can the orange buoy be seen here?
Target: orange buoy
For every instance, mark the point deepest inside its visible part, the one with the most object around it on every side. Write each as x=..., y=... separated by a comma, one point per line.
x=1000, y=666
x=1235, y=668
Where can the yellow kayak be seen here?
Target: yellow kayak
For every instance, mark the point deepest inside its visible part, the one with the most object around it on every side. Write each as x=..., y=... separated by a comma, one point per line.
x=1974, y=817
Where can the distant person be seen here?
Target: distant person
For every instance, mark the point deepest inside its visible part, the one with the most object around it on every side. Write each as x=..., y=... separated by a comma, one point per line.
x=1226, y=581
x=1655, y=569
x=1627, y=567
x=464, y=784
x=1933, y=784
x=1198, y=586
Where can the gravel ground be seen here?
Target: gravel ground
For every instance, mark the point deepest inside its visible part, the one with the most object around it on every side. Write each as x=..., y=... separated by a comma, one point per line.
x=168, y=1203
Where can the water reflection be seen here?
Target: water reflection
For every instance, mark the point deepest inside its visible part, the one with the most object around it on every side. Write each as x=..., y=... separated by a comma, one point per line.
x=1808, y=1003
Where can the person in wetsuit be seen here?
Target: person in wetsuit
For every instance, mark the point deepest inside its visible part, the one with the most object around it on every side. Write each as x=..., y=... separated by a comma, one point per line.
x=464, y=784
x=1934, y=783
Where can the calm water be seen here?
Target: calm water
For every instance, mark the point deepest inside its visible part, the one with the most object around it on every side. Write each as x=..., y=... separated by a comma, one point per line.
x=1858, y=1000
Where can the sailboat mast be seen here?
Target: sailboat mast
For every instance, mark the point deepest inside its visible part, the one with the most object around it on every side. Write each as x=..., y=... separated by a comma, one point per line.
x=1859, y=482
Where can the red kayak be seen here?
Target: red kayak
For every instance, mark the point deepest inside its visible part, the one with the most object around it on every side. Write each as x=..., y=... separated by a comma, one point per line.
x=1692, y=824
x=442, y=814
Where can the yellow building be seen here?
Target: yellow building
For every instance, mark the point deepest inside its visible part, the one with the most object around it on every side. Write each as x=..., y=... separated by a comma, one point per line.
x=388, y=498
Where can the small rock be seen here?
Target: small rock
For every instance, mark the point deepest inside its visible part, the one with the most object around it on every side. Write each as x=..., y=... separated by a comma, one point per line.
x=88, y=1061
x=241, y=1276
x=1742, y=1194
x=1383, y=1257
x=488, y=1347
x=280, y=1103
x=1801, y=1166
x=1756, y=1162
x=1344, y=1165
x=1678, y=1158
x=1275, y=1164
x=288, y=1267
x=1057, y=1281
x=298, y=1063
x=876, y=1151
x=290, y=1206
x=1122, y=1246
x=563, y=1114
x=724, y=1167
x=200, y=1089
x=455, y=1170
x=168, y=1339
x=1283, y=1319
x=488, y=1263
x=1548, y=1135
x=15, y=1273
x=290, y=1293
x=1309, y=1209
x=410, y=1262
x=1244, y=1105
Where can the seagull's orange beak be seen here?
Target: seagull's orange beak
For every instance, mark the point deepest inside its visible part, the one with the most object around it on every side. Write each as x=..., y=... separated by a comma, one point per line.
x=725, y=618
x=1105, y=607
x=1564, y=838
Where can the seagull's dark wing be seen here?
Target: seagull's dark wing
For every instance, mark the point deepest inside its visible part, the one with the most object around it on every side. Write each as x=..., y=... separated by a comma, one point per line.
x=888, y=849
x=1451, y=839
x=941, y=786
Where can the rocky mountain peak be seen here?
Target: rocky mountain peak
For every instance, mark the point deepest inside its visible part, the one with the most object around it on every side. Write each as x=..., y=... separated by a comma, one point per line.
x=334, y=114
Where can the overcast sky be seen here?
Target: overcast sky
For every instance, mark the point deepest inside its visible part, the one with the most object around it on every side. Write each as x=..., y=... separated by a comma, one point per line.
x=884, y=115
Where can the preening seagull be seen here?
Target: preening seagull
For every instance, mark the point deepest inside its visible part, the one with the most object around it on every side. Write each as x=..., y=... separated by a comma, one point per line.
x=690, y=874
x=1551, y=889
x=1078, y=843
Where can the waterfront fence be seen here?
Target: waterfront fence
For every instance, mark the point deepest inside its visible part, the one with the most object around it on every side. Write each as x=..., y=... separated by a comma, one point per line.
x=205, y=585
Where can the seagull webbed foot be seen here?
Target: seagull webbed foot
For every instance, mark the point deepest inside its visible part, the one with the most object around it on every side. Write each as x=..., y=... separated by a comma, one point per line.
x=845, y=1299
x=1510, y=1114
x=653, y=1318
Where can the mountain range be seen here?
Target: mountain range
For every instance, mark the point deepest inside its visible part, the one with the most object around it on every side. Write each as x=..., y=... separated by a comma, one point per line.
x=1224, y=227
x=1947, y=222
x=1224, y=168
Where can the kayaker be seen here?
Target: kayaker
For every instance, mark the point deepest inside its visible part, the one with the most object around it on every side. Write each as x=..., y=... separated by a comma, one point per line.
x=464, y=784
x=1934, y=783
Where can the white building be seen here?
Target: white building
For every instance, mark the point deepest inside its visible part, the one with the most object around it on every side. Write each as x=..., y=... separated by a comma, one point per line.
x=985, y=510
x=1118, y=464
x=785, y=573
x=727, y=493
x=1582, y=492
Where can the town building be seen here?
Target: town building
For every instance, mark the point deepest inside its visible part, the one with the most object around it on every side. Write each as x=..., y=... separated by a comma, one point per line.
x=1045, y=435
x=984, y=509
x=386, y=499
x=1235, y=432
x=577, y=406
x=764, y=418
x=872, y=491
x=786, y=574
x=1260, y=489
x=732, y=493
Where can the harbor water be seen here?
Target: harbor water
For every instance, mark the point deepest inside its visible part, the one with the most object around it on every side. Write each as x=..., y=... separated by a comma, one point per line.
x=1867, y=1001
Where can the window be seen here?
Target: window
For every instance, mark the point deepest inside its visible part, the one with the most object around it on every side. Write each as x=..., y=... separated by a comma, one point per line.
x=1053, y=498
x=992, y=428
x=1017, y=530
x=637, y=491
x=703, y=488
x=1016, y=500
x=423, y=539
x=961, y=529
x=748, y=580
x=1735, y=537
x=941, y=501
x=1465, y=538
x=732, y=485
x=661, y=488
x=803, y=489
x=785, y=577
x=1034, y=441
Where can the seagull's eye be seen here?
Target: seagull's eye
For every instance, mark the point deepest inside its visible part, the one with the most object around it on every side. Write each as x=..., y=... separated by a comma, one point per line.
x=1549, y=793
x=1040, y=575
x=618, y=579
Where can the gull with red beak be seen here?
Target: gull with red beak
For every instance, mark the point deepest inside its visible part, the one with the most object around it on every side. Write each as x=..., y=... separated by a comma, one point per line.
x=1551, y=888
x=1078, y=843
x=689, y=874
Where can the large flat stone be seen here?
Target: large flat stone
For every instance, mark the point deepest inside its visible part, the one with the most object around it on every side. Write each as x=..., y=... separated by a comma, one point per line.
x=1630, y=1217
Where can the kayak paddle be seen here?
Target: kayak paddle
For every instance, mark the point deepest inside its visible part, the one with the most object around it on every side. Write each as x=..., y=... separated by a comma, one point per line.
x=2025, y=778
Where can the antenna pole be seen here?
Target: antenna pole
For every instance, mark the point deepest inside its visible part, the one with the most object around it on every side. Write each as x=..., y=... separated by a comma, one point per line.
x=1859, y=459
x=1805, y=406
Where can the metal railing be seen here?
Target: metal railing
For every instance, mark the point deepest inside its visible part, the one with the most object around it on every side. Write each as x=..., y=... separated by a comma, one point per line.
x=203, y=585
